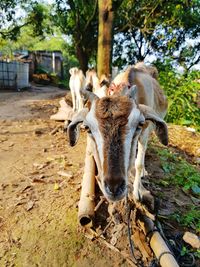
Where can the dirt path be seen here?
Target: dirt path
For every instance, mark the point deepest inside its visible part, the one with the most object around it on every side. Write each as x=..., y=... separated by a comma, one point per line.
x=38, y=205
x=14, y=105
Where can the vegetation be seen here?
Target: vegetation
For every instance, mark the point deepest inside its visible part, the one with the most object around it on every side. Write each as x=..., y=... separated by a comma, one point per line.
x=159, y=28
x=183, y=95
x=140, y=28
x=78, y=20
x=180, y=173
x=190, y=219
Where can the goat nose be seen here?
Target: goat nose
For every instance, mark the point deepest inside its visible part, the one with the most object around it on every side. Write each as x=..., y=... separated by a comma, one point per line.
x=115, y=189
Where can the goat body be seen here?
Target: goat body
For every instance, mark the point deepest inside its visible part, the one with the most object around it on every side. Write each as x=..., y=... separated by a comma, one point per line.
x=120, y=124
x=76, y=83
x=121, y=80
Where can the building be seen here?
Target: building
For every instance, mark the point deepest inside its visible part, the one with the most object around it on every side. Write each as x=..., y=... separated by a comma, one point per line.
x=48, y=61
x=16, y=73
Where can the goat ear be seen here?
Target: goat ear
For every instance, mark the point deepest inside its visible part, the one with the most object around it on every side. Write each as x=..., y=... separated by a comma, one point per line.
x=73, y=129
x=161, y=127
x=73, y=133
x=132, y=92
x=71, y=71
x=131, y=75
x=104, y=82
x=89, y=95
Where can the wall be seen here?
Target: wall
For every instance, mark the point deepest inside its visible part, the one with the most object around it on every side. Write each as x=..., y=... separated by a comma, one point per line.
x=50, y=61
x=14, y=75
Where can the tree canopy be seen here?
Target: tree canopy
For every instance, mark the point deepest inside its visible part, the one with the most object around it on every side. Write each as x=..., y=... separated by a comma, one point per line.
x=158, y=28
x=78, y=20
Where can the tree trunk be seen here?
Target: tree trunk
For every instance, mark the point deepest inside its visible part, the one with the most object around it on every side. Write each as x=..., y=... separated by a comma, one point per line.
x=82, y=58
x=105, y=37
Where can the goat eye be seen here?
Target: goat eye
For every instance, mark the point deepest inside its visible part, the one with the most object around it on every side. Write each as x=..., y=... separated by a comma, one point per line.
x=140, y=125
x=87, y=129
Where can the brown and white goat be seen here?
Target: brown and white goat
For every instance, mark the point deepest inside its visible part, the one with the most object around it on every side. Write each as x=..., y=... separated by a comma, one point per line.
x=149, y=69
x=119, y=125
x=120, y=82
x=76, y=83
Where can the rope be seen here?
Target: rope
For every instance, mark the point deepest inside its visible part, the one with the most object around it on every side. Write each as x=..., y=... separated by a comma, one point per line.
x=128, y=212
x=187, y=260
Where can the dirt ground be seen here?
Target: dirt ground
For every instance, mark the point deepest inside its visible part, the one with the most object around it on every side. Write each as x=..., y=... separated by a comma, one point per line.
x=38, y=203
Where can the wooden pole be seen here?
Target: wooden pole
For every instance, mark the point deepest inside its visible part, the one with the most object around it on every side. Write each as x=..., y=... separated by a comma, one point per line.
x=87, y=203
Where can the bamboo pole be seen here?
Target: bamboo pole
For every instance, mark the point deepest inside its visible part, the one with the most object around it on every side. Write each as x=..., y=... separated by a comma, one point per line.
x=157, y=244
x=86, y=203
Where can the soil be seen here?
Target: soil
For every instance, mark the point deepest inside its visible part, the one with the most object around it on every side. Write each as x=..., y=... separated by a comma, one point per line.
x=38, y=205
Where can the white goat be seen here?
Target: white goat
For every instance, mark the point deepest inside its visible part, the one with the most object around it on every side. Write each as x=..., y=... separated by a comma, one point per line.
x=76, y=83
x=99, y=86
x=118, y=125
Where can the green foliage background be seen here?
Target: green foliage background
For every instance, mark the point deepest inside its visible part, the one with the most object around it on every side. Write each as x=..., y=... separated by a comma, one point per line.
x=183, y=92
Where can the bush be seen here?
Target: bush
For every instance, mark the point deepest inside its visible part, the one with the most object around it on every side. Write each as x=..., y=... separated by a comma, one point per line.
x=183, y=93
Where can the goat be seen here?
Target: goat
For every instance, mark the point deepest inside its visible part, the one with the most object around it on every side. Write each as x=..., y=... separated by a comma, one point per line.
x=99, y=85
x=150, y=69
x=120, y=124
x=76, y=83
x=120, y=81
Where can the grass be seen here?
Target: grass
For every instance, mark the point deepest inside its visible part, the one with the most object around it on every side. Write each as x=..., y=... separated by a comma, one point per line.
x=179, y=171
x=185, y=176
x=190, y=219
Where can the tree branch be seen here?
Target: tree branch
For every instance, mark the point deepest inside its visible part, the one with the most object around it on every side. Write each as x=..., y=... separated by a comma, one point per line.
x=194, y=63
x=7, y=34
x=123, y=28
x=133, y=35
x=91, y=18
